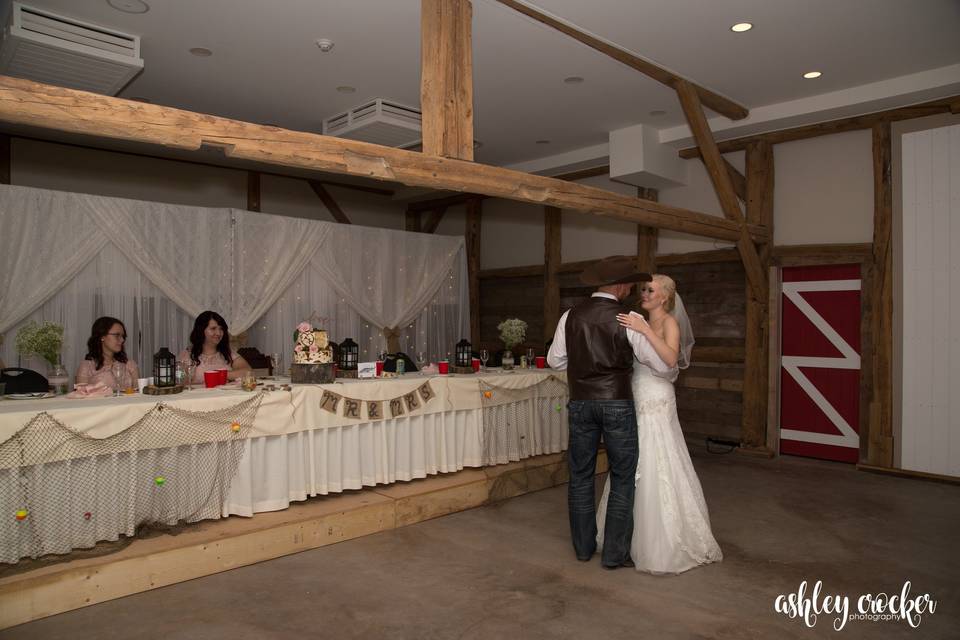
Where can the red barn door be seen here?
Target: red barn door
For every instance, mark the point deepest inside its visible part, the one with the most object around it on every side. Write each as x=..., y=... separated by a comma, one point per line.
x=820, y=362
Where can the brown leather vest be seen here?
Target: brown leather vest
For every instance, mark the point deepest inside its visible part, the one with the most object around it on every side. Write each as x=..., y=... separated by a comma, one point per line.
x=599, y=356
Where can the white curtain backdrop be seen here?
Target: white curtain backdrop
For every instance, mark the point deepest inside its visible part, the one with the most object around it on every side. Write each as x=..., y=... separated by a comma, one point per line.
x=71, y=258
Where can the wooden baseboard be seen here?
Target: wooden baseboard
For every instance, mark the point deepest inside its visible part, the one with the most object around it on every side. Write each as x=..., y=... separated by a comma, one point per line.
x=213, y=546
x=906, y=473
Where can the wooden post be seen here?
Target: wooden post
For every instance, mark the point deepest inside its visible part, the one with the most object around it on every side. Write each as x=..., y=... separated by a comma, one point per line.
x=446, y=78
x=253, y=191
x=433, y=221
x=329, y=202
x=759, y=206
x=5, y=160
x=412, y=220
x=647, y=236
x=472, y=236
x=880, y=446
x=723, y=185
x=551, y=263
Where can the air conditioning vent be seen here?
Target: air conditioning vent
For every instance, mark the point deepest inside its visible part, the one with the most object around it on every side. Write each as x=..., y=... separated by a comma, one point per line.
x=379, y=121
x=45, y=47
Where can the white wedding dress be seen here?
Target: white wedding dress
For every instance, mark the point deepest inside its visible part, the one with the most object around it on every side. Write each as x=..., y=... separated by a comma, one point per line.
x=671, y=526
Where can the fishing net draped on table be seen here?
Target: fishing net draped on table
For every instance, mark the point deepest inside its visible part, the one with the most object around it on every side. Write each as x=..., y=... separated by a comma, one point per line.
x=518, y=423
x=62, y=490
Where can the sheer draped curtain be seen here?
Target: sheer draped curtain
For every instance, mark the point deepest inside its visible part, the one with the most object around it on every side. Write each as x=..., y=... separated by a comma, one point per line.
x=71, y=258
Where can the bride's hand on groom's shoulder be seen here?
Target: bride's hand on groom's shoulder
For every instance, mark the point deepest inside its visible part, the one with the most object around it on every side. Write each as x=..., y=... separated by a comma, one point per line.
x=634, y=321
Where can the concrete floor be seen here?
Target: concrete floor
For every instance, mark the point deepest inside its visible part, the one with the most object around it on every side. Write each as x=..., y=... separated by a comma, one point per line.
x=508, y=571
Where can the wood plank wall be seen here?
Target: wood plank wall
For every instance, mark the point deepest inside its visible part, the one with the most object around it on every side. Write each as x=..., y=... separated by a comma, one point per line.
x=709, y=394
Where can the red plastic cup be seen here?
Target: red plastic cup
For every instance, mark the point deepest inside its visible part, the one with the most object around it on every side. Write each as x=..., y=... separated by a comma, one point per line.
x=541, y=362
x=211, y=378
x=223, y=376
x=475, y=363
x=444, y=367
x=379, y=367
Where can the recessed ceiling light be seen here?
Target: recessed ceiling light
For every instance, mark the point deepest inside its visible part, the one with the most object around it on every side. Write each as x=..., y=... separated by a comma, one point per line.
x=201, y=52
x=740, y=27
x=543, y=142
x=656, y=113
x=573, y=80
x=810, y=75
x=129, y=6
x=346, y=89
x=325, y=44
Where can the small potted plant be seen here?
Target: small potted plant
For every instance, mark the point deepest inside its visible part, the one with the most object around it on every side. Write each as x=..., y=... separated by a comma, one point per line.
x=513, y=331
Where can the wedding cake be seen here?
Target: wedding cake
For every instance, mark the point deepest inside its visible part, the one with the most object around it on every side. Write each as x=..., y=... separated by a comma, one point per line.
x=311, y=346
x=312, y=356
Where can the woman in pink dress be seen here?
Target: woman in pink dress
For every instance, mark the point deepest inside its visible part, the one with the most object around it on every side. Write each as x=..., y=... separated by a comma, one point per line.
x=210, y=348
x=104, y=349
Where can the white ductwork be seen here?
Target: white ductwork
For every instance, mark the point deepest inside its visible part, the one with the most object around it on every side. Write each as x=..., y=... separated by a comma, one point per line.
x=637, y=157
x=378, y=121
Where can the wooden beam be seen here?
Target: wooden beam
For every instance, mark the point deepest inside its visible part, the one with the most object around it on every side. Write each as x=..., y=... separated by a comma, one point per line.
x=880, y=447
x=48, y=107
x=446, y=78
x=551, y=262
x=955, y=106
x=329, y=202
x=253, y=191
x=738, y=180
x=720, y=104
x=820, y=254
x=412, y=220
x=692, y=109
x=759, y=210
x=647, y=237
x=433, y=221
x=472, y=241
x=855, y=123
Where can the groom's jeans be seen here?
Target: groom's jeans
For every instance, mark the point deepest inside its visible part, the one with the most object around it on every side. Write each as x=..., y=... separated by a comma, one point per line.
x=616, y=421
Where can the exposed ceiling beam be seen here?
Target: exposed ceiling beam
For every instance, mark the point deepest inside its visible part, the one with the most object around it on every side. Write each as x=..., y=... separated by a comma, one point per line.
x=329, y=202
x=723, y=106
x=942, y=105
x=30, y=103
x=446, y=78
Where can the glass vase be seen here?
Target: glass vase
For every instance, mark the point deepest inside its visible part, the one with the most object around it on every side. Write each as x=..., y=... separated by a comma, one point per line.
x=58, y=379
x=507, y=360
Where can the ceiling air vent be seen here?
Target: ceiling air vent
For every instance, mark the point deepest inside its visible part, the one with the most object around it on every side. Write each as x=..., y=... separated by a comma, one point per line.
x=379, y=121
x=42, y=46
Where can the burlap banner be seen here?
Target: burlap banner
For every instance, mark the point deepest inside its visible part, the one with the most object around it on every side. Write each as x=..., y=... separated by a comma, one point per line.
x=357, y=409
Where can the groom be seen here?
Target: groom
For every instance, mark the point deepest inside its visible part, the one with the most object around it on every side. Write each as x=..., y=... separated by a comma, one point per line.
x=598, y=355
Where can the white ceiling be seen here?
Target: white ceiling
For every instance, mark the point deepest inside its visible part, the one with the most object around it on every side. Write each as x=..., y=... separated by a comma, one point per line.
x=266, y=68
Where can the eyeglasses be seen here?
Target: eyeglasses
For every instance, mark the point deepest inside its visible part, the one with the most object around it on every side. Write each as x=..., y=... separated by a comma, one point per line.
x=122, y=336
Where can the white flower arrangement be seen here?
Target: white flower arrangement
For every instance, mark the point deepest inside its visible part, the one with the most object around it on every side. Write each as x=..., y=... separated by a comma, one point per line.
x=44, y=340
x=513, y=331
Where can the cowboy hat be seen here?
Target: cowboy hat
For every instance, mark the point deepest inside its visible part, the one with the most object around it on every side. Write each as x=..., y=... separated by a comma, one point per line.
x=613, y=270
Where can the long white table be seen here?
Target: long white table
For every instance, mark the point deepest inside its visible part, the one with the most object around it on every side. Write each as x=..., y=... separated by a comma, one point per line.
x=88, y=470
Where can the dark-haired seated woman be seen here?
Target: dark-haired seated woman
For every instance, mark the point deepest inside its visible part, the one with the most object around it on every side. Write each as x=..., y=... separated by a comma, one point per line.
x=210, y=348
x=104, y=349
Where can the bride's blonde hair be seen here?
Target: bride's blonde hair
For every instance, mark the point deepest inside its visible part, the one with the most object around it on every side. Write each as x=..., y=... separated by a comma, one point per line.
x=669, y=289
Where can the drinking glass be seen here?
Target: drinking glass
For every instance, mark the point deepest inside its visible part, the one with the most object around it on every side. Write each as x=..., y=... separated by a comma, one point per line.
x=117, y=370
x=276, y=361
x=421, y=360
x=484, y=356
x=531, y=355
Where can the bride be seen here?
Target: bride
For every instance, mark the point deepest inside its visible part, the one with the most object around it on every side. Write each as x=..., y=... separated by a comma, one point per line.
x=671, y=525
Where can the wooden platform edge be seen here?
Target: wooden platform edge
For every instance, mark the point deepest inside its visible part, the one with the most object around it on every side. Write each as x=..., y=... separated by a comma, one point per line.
x=906, y=473
x=73, y=585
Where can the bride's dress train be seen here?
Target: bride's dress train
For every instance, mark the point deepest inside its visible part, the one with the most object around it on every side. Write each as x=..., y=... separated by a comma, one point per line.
x=671, y=528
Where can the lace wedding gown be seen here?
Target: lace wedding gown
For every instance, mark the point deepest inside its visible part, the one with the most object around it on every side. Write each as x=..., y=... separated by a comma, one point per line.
x=671, y=526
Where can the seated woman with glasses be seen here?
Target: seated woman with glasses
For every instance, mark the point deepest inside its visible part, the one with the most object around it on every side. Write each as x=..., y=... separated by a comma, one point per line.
x=106, y=362
x=210, y=348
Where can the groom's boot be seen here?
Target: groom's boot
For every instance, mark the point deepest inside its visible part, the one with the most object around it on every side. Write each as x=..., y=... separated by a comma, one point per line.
x=626, y=563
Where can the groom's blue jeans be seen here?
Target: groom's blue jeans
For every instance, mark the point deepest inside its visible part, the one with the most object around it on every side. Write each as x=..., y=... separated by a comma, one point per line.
x=616, y=421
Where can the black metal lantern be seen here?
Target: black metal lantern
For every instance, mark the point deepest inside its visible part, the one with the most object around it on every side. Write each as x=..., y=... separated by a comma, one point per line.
x=464, y=353
x=164, y=368
x=349, y=355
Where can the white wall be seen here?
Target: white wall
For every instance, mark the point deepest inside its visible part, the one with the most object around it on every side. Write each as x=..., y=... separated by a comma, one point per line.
x=930, y=431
